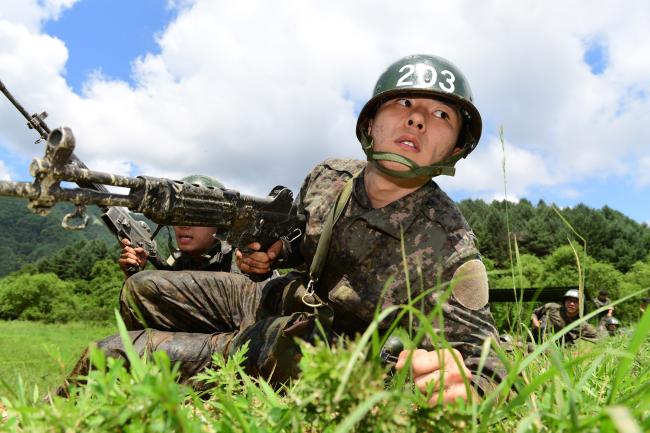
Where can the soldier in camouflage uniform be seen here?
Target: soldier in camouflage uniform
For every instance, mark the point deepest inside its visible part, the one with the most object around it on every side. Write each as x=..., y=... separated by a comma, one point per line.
x=600, y=301
x=553, y=317
x=396, y=235
x=198, y=247
x=610, y=327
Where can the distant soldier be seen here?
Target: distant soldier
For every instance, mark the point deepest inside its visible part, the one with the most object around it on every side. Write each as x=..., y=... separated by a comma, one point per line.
x=610, y=327
x=198, y=247
x=552, y=317
x=601, y=300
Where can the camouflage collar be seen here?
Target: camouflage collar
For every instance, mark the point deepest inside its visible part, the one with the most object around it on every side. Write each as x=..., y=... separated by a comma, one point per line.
x=398, y=215
x=180, y=260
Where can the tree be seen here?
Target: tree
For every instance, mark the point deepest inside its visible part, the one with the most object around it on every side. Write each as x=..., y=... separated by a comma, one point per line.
x=36, y=297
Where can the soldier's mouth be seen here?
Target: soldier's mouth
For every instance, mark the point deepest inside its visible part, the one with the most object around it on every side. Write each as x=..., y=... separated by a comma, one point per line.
x=409, y=143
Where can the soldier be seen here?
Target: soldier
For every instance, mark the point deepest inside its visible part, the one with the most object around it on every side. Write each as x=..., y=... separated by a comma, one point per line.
x=611, y=326
x=552, y=317
x=362, y=220
x=601, y=300
x=198, y=247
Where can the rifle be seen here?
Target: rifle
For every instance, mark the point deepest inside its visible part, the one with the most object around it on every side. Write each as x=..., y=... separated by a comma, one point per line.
x=118, y=220
x=240, y=219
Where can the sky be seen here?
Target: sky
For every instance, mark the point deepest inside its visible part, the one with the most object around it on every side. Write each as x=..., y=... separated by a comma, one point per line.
x=256, y=93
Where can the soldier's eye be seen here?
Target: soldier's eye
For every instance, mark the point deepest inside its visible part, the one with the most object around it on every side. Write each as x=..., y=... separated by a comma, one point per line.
x=405, y=102
x=441, y=114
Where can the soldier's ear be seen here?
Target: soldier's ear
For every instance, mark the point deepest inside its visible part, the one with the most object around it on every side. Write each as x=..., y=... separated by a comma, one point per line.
x=370, y=126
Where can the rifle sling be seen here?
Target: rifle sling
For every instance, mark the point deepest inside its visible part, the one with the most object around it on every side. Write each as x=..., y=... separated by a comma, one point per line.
x=320, y=257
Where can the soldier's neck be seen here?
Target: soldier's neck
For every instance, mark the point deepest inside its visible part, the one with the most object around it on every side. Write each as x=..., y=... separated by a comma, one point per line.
x=383, y=189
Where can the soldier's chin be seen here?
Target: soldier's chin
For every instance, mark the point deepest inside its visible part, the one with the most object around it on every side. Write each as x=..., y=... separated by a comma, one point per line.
x=395, y=166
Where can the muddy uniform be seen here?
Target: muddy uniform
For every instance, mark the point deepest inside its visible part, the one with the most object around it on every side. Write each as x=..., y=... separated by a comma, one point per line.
x=553, y=317
x=193, y=314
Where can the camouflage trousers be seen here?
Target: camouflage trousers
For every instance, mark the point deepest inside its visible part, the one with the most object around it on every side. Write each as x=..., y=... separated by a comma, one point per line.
x=193, y=314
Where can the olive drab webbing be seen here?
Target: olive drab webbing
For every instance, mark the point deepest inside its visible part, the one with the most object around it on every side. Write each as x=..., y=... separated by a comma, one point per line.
x=422, y=76
x=322, y=248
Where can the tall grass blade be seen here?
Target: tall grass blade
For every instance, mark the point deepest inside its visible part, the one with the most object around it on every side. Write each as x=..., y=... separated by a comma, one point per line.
x=639, y=336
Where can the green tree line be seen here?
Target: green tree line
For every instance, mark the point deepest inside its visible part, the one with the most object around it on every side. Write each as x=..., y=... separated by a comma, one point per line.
x=80, y=282
x=611, y=237
x=26, y=237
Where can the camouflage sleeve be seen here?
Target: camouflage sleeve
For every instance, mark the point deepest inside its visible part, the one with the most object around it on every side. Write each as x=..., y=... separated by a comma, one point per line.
x=539, y=312
x=468, y=323
x=589, y=333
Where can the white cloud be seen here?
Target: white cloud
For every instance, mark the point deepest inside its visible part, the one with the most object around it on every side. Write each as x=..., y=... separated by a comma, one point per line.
x=643, y=180
x=31, y=13
x=255, y=93
x=4, y=171
x=483, y=172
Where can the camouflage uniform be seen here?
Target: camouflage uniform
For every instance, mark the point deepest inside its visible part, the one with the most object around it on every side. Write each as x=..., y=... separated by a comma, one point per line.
x=553, y=317
x=193, y=314
x=601, y=303
x=218, y=258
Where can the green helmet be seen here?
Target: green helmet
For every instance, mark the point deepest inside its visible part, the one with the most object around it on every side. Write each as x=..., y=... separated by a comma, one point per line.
x=204, y=181
x=423, y=76
x=612, y=321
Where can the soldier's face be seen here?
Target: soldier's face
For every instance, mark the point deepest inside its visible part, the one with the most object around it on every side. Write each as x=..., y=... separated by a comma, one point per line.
x=421, y=129
x=571, y=306
x=194, y=240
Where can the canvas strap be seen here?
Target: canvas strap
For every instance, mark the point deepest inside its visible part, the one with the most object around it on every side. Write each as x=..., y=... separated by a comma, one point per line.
x=320, y=257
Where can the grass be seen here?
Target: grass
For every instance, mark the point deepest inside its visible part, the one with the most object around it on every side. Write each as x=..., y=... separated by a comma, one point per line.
x=41, y=354
x=583, y=388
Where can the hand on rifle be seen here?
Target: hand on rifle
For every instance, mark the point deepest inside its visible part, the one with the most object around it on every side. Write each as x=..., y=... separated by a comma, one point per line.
x=258, y=262
x=131, y=257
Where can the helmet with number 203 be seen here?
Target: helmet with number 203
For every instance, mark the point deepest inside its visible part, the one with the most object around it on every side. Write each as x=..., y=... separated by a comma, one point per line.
x=424, y=76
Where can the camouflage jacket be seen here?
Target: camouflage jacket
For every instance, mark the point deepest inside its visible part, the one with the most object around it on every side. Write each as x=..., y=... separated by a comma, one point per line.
x=553, y=317
x=365, y=270
x=598, y=303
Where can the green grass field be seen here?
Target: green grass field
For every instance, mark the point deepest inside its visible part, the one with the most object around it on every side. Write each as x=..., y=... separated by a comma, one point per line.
x=43, y=354
x=603, y=387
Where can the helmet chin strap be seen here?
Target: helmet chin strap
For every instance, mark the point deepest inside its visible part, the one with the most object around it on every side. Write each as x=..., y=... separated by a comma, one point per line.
x=414, y=170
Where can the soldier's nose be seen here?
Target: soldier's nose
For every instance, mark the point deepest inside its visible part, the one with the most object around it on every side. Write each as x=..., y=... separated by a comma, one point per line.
x=419, y=125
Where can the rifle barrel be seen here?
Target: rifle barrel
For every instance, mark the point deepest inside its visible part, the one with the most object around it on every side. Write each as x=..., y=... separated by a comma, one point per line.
x=84, y=176
x=33, y=121
x=17, y=189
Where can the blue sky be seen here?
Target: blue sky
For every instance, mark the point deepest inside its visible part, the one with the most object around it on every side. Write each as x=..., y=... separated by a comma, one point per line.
x=173, y=88
x=106, y=35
